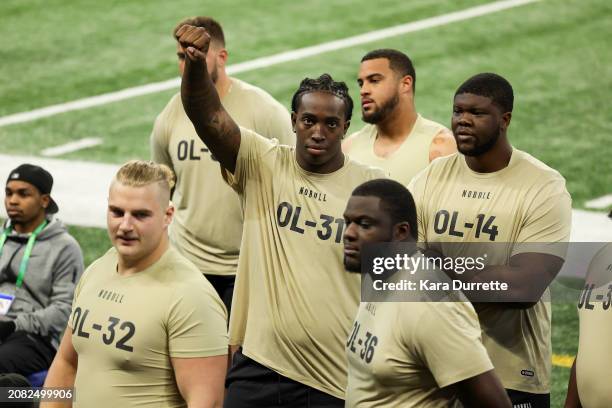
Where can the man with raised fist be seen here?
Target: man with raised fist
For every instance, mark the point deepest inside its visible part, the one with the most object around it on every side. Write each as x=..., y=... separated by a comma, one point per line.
x=207, y=226
x=293, y=305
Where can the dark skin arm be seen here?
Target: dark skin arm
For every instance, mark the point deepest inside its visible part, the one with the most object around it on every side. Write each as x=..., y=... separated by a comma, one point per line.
x=483, y=391
x=572, y=400
x=527, y=275
x=201, y=101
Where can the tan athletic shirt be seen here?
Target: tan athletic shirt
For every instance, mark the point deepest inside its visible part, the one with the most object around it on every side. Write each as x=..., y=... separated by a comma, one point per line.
x=403, y=164
x=125, y=330
x=207, y=225
x=594, y=350
x=526, y=202
x=293, y=303
x=408, y=354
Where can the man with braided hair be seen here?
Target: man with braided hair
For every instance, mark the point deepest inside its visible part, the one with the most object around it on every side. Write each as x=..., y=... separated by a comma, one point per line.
x=293, y=305
x=146, y=329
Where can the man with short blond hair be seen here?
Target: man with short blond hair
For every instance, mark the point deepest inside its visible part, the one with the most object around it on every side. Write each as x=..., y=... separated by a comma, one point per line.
x=147, y=329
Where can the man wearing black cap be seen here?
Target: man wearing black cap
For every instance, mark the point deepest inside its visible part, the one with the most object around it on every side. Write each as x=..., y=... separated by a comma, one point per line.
x=39, y=266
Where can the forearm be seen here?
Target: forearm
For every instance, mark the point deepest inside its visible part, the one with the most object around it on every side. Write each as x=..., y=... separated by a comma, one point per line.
x=62, y=374
x=520, y=289
x=572, y=400
x=45, y=322
x=212, y=123
x=199, y=95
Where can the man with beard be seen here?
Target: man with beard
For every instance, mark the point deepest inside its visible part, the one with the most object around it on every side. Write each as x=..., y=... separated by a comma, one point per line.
x=496, y=202
x=408, y=354
x=396, y=139
x=207, y=227
x=290, y=270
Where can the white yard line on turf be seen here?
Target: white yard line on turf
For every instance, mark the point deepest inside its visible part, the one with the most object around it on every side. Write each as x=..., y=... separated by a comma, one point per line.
x=71, y=146
x=263, y=62
x=600, y=203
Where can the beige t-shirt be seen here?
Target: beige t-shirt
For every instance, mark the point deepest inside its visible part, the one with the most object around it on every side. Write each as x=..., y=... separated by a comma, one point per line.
x=524, y=207
x=409, y=354
x=125, y=330
x=207, y=225
x=594, y=349
x=403, y=164
x=293, y=302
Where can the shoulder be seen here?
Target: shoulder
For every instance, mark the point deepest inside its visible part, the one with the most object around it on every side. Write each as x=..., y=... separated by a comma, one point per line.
x=431, y=125
x=544, y=173
x=365, y=171
x=173, y=106
x=254, y=94
x=359, y=138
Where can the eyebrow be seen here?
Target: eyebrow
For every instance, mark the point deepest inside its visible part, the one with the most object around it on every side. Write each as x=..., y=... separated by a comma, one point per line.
x=19, y=190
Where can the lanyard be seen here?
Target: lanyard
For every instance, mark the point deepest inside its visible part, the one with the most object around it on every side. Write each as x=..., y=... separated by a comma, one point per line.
x=28, y=250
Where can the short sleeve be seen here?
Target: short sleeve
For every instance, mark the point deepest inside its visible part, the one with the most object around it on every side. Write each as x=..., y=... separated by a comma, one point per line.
x=417, y=189
x=197, y=323
x=448, y=337
x=250, y=159
x=547, y=225
x=160, y=137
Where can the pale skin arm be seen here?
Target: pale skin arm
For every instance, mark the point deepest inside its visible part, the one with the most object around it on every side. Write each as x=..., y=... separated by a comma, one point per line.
x=201, y=380
x=63, y=369
x=483, y=391
x=442, y=145
x=201, y=101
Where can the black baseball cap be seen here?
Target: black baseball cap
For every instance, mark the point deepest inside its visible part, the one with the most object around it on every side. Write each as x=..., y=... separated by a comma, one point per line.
x=39, y=178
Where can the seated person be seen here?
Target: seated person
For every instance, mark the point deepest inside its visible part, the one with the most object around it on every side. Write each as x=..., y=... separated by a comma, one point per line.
x=40, y=263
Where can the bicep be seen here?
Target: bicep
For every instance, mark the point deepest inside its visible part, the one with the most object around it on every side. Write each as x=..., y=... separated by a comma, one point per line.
x=201, y=379
x=66, y=349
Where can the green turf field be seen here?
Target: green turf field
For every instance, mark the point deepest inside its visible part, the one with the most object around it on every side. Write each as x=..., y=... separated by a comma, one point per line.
x=552, y=51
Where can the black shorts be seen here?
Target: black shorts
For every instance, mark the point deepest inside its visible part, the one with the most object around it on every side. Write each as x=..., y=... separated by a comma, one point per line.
x=224, y=285
x=252, y=385
x=527, y=400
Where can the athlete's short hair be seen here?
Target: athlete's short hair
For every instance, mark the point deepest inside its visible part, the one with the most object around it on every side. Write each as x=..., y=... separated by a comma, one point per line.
x=324, y=83
x=399, y=62
x=211, y=25
x=493, y=86
x=395, y=198
x=139, y=173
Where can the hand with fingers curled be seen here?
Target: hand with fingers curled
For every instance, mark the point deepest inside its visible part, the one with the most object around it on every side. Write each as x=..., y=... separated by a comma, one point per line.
x=195, y=41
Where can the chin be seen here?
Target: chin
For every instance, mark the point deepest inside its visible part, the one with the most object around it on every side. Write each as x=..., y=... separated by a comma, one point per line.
x=352, y=267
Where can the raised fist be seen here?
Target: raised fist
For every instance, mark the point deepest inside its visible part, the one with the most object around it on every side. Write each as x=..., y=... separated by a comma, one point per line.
x=194, y=40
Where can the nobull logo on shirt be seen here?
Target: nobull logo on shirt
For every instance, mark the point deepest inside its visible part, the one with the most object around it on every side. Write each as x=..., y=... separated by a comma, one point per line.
x=312, y=194
x=110, y=296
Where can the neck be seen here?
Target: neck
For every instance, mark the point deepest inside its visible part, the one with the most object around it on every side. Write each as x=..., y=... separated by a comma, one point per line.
x=223, y=84
x=397, y=126
x=334, y=164
x=494, y=160
x=129, y=266
x=30, y=226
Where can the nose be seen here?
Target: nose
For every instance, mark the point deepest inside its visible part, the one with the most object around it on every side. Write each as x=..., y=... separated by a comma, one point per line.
x=350, y=232
x=317, y=133
x=364, y=90
x=126, y=224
